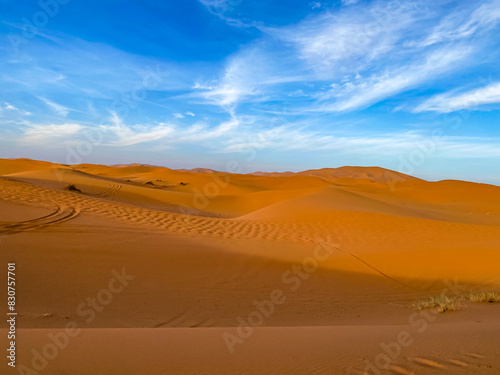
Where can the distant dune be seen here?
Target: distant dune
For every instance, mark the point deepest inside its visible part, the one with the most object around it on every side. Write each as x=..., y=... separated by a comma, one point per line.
x=204, y=246
x=197, y=170
x=375, y=174
x=134, y=165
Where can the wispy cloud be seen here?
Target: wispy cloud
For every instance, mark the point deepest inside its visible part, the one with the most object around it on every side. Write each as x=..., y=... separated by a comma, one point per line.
x=240, y=80
x=222, y=9
x=58, y=108
x=452, y=101
x=302, y=80
x=46, y=135
x=290, y=138
x=363, y=92
x=343, y=42
x=464, y=23
x=180, y=116
x=238, y=135
x=349, y=2
x=9, y=108
x=125, y=135
x=220, y=4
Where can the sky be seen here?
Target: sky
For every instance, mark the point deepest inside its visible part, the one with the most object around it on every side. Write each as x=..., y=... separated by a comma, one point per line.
x=412, y=86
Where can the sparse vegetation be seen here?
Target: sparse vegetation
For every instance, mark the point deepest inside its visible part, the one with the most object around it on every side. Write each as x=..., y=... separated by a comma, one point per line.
x=441, y=303
x=182, y=183
x=149, y=183
x=445, y=303
x=485, y=296
x=72, y=187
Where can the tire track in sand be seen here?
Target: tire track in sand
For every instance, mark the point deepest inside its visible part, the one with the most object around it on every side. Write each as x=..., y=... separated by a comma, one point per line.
x=20, y=192
x=58, y=216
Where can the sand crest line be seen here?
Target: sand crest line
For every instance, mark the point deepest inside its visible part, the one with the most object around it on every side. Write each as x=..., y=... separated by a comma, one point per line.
x=357, y=258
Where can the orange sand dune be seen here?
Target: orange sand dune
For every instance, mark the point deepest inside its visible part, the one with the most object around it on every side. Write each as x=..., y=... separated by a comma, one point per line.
x=346, y=350
x=350, y=249
x=375, y=174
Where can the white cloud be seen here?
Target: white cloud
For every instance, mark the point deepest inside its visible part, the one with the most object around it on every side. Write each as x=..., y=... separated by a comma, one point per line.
x=254, y=74
x=7, y=107
x=221, y=8
x=219, y=4
x=201, y=132
x=59, y=109
x=364, y=92
x=391, y=145
x=43, y=135
x=464, y=23
x=239, y=81
x=244, y=134
x=367, y=53
x=180, y=116
x=347, y=40
x=10, y=107
x=450, y=102
x=130, y=135
x=349, y=2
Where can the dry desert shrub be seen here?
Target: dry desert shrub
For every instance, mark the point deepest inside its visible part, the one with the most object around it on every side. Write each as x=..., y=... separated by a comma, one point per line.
x=485, y=296
x=445, y=303
x=441, y=303
x=72, y=187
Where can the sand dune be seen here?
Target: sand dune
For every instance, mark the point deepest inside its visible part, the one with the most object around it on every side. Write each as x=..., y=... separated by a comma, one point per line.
x=203, y=246
x=374, y=174
x=316, y=350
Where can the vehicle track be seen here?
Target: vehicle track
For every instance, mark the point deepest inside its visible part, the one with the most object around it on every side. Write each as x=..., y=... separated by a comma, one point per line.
x=110, y=192
x=58, y=216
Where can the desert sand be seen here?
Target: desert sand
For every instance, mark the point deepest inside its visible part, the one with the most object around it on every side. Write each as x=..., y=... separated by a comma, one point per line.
x=148, y=270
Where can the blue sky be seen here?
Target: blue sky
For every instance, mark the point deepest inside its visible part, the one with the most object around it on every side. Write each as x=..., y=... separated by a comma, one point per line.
x=413, y=86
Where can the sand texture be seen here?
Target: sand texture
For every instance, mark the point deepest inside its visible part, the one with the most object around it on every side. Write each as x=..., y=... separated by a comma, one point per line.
x=203, y=272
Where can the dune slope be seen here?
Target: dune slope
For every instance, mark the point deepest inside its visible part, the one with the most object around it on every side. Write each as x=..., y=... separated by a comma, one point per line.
x=348, y=251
